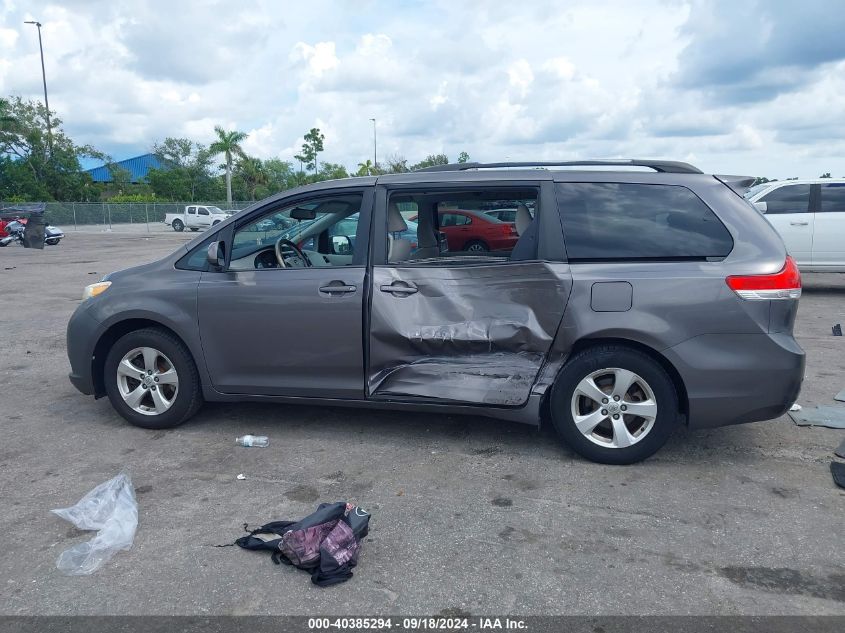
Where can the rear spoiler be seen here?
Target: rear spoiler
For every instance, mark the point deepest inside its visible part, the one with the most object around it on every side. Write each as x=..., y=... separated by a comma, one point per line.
x=740, y=184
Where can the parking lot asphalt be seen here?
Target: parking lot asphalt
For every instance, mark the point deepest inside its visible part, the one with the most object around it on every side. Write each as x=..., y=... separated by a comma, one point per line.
x=470, y=515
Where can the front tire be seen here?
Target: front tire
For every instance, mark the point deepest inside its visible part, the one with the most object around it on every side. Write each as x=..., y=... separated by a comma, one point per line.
x=178, y=226
x=53, y=242
x=152, y=380
x=614, y=405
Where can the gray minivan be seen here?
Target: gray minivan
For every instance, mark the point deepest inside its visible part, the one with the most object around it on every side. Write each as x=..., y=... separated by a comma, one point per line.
x=634, y=300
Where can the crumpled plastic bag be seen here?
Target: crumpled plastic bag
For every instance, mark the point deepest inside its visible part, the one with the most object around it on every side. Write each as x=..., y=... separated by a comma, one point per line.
x=109, y=508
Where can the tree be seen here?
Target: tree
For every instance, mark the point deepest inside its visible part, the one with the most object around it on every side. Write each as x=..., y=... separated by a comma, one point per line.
x=825, y=175
x=28, y=170
x=463, y=157
x=396, y=164
x=365, y=168
x=228, y=144
x=760, y=180
x=185, y=173
x=252, y=173
x=430, y=161
x=311, y=148
x=332, y=171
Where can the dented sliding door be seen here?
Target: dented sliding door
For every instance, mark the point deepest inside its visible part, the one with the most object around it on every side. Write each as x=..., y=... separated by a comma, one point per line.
x=474, y=334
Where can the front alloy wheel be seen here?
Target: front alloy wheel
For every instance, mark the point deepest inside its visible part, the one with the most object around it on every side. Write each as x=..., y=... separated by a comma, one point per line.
x=151, y=379
x=147, y=381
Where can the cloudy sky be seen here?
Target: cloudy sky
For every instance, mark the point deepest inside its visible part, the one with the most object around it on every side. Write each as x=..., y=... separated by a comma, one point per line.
x=736, y=86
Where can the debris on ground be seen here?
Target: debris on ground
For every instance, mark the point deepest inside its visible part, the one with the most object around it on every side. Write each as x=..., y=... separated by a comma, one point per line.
x=837, y=329
x=831, y=417
x=795, y=407
x=840, y=450
x=261, y=441
x=840, y=396
x=837, y=469
x=241, y=477
x=326, y=543
x=109, y=508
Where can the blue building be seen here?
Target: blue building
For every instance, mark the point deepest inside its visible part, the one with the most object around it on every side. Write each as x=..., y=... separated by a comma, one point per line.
x=138, y=167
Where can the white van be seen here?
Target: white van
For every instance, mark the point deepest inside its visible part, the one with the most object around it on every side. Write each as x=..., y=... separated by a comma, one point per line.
x=810, y=217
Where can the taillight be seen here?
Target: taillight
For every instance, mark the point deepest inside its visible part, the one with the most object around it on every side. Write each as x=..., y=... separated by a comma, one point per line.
x=509, y=229
x=785, y=284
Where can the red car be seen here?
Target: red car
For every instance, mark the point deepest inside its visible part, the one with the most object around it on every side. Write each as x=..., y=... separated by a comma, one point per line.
x=475, y=231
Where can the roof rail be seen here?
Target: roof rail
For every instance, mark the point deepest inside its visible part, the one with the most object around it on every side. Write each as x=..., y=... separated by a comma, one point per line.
x=662, y=166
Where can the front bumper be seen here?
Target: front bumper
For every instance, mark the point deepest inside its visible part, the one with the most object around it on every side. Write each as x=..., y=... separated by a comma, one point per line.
x=82, y=335
x=738, y=378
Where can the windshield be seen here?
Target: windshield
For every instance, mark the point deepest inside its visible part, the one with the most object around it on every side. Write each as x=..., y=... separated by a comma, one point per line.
x=215, y=209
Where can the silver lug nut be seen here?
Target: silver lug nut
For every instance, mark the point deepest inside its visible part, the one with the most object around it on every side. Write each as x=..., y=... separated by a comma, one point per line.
x=156, y=379
x=615, y=415
x=616, y=398
x=604, y=411
x=604, y=400
x=623, y=407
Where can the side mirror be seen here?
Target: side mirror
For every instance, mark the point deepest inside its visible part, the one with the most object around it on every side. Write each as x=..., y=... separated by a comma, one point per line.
x=216, y=255
x=761, y=206
x=341, y=245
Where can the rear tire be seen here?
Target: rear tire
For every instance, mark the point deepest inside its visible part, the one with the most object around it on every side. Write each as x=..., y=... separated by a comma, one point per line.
x=598, y=435
x=178, y=226
x=476, y=246
x=155, y=354
x=194, y=230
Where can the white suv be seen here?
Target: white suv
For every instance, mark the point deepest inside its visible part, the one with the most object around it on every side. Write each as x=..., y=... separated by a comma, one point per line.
x=810, y=217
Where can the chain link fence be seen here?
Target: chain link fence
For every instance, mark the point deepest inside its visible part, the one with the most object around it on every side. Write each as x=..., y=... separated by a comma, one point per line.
x=81, y=215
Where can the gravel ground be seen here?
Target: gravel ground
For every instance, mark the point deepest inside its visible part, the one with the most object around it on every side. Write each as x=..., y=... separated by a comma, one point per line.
x=470, y=515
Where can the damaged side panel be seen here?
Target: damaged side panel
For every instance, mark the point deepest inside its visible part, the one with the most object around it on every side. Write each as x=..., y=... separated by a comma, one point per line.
x=470, y=333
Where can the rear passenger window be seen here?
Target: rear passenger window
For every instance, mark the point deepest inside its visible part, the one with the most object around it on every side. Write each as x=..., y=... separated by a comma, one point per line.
x=833, y=197
x=619, y=221
x=788, y=199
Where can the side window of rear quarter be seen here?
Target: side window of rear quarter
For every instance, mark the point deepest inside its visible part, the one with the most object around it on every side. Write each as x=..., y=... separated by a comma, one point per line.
x=638, y=222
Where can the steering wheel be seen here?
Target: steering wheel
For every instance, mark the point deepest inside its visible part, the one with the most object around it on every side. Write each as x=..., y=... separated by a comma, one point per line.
x=282, y=242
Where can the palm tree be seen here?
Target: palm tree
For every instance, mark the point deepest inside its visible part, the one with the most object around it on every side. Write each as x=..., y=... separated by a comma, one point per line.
x=228, y=144
x=253, y=173
x=365, y=168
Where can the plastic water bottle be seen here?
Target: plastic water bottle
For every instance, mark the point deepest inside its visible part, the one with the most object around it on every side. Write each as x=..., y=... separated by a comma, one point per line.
x=253, y=440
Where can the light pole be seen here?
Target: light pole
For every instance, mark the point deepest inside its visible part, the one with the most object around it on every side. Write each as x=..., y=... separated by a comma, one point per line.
x=44, y=79
x=375, y=145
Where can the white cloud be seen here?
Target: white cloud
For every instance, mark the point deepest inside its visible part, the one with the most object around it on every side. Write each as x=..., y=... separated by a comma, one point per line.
x=540, y=80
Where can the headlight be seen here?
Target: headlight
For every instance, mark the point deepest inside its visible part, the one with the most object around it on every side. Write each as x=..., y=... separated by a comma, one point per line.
x=95, y=289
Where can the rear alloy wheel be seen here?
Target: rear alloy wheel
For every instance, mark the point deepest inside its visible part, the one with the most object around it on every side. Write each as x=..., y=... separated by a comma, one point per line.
x=476, y=246
x=614, y=405
x=151, y=379
x=178, y=226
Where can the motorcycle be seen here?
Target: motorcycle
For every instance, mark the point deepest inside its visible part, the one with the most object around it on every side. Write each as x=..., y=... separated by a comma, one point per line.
x=16, y=228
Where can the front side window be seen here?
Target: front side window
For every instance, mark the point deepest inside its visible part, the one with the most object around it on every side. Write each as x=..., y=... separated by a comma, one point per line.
x=203, y=211
x=833, y=197
x=621, y=221
x=315, y=233
x=788, y=199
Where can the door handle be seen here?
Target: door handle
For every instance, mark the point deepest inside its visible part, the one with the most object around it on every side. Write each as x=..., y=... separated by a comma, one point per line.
x=337, y=288
x=799, y=223
x=399, y=288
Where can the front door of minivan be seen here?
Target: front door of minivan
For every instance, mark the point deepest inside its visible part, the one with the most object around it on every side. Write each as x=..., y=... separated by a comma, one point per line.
x=462, y=328
x=290, y=331
x=788, y=210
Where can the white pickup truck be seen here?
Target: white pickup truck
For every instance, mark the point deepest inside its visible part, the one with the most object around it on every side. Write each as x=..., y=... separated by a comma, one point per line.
x=196, y=217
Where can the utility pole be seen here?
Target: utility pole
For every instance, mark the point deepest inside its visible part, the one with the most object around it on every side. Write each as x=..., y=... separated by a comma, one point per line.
x=44, y=79
x=375, y=146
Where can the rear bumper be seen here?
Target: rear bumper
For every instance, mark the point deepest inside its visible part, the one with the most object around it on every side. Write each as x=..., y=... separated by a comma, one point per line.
x=738, y=378
x=82, y=330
